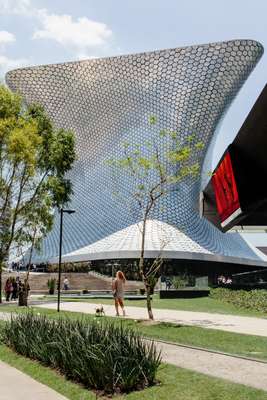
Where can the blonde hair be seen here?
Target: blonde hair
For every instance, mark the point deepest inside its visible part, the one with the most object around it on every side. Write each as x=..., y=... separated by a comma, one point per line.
x=120, y=275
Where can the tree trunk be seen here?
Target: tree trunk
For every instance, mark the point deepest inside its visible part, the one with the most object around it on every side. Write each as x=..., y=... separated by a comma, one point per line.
x=0, y=282
x=142, y=252
x=148, y=303
x=23, y=298
x=1, y=278
x=23, y=294
x=141, y=270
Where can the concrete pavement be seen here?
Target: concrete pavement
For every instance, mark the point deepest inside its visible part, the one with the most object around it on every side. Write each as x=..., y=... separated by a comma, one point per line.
x=233, y=369
x=15, y=385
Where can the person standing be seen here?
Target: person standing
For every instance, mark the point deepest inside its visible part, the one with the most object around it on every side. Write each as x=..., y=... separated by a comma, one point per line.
x=15, y=289
x=8, y=288
x=118, y=286
x=168, y=283
x=66, y=284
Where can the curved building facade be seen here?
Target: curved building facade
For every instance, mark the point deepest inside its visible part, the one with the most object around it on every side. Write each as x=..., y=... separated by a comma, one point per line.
x=105, y=101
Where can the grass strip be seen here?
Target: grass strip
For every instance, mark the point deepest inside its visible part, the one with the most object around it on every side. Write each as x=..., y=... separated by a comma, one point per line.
x=45, y=375
x=175, y=383
x=211, y=339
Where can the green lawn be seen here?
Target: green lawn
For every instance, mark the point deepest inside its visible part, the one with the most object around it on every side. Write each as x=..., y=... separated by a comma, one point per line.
x=202, y=304
x=211, y=339
x=175, y=383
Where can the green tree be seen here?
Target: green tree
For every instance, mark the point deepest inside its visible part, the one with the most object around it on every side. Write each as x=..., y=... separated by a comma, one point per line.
x=155, y=168
x=34, y=158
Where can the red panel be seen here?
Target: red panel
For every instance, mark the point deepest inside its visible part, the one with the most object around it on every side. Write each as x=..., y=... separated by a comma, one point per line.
x=224, y=186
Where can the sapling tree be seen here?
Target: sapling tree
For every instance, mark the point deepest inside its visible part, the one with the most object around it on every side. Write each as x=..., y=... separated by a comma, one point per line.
x=34, y=159
x=154, y=168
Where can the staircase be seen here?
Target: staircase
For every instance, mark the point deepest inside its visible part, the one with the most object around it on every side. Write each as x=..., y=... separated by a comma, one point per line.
x=78, y=281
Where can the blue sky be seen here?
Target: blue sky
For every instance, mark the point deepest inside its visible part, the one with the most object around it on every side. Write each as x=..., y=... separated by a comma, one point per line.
x=44, y=31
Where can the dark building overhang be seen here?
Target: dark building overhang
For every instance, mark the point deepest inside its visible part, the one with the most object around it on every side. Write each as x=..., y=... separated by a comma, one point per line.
x=249, y=165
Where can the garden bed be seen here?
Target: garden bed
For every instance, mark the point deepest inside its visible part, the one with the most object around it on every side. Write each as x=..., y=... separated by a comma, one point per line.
x=99, y=355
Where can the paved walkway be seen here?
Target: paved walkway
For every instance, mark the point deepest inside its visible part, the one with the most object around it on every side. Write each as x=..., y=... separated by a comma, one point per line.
x=229, y=323
x=237, y=370
x=15, y=385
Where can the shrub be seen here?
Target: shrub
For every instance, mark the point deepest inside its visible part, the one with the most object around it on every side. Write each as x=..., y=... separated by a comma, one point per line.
x=252, y=300
x=69, y=267
x=179, y=282
x=51, y=284
x=101, y=356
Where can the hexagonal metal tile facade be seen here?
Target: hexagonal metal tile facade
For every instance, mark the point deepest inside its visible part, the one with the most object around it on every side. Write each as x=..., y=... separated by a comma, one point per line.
x=105, y=100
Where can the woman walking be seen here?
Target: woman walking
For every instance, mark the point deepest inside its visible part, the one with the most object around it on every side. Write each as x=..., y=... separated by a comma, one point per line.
x=118, y=292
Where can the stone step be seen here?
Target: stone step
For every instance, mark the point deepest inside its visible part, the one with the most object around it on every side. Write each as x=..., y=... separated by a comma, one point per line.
x=78, y=281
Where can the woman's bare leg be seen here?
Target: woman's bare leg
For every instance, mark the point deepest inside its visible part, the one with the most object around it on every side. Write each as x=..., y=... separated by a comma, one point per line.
x=117, y=307
x=122, y=306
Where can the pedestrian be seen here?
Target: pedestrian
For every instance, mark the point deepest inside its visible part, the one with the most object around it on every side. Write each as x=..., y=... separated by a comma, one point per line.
x=66, y=284
x=18, y=282
x=118, y=286
x=8, y=288
x=15, y=289
x=168, y=283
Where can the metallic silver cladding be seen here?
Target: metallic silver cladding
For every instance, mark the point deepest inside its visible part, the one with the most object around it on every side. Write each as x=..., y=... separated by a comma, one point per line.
x=108, y=100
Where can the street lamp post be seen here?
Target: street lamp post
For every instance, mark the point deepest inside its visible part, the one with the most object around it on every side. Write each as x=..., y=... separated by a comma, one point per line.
x=62, y=210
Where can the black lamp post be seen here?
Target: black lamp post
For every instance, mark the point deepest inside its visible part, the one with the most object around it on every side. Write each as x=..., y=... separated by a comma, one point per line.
x=62, y=210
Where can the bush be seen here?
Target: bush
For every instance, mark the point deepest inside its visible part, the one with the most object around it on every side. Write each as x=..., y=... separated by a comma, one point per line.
x=179, y=282
x=251, y=300
x=82, y=267
x=101, y=356
x=51, y=284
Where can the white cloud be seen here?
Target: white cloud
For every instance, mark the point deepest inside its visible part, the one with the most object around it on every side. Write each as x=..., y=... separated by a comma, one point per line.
x=10, y=7
x=85, y=56
x=7, y=63
x=21, y=7
x=78, y=35
x=6, y=38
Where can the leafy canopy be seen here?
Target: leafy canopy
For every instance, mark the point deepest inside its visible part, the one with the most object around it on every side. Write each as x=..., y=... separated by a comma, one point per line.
x=157, y=166
x=34, y=160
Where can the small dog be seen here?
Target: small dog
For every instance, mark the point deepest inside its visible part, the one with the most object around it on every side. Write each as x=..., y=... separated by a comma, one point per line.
x=99, y=311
